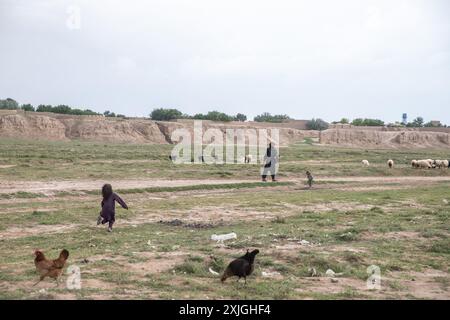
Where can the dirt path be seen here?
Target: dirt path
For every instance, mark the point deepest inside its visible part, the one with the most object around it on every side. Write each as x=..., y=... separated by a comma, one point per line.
x=408, y=179
x=68, y=185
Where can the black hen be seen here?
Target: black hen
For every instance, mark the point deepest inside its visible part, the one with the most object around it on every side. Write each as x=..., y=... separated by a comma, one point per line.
x=241, y=267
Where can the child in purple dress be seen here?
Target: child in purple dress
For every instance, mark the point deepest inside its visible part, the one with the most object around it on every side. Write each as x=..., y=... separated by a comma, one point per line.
x=108, y=212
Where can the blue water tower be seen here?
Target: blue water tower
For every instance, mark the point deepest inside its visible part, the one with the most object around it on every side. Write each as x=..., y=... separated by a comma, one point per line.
x=405, y=119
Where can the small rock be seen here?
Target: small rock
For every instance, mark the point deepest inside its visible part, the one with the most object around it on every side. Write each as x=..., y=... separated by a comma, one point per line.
x=43, y=291
x=445, y=201
x=270, y=274
x=304, y=242
x=334, y=280
x=85, y=261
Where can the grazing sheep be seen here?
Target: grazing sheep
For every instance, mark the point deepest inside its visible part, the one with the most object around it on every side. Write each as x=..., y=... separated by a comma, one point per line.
x=390, y=163
x=414, y=163
x=423, y=164
x=248, y=158
x=365, y=163
x=440, y=164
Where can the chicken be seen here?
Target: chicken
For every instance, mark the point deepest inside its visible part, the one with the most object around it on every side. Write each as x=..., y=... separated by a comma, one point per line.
x=241, y=267
x=50, y=268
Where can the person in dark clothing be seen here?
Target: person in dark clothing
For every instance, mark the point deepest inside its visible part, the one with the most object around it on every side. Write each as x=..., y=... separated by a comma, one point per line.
x=310, y=178
x=270, y=163
x=108, y=212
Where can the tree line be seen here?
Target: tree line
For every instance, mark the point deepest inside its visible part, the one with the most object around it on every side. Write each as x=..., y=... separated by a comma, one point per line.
x=167, y=114
x=164, y=114
x=12, y=104
x=416, y=123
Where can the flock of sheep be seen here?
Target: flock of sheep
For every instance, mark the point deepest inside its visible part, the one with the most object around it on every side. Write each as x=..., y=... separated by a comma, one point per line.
x=427, y=163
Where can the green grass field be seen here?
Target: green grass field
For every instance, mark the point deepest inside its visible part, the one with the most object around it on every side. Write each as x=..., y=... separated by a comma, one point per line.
x=352, y=218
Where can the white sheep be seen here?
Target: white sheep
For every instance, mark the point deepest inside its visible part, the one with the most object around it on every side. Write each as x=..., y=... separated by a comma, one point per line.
x=440, y=164
x=423, y=164
x=365, y=163
x=390, y=163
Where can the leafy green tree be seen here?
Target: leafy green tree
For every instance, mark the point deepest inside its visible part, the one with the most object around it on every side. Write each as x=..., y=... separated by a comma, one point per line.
x=162, y=114
x=44, y=108
x=418, y=122
x=64, y=109
x=9, y=103
x=108, y=113
x=213, y=116
x=317, y=124
x=267, y=117
x=367, y=122
x=240, y=117
x=27, y=107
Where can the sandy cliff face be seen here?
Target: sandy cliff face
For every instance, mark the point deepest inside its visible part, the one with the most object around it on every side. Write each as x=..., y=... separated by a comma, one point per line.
x=47, y=126
x=385, y=139
x=37, y=126
x=101, y=129
x=286, y=135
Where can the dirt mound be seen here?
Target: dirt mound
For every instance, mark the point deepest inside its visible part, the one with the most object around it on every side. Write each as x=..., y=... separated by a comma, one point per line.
x=36, y=126
x=385, y=139
x=48, y=126
x=59, y=127
x=287, y=135
x=113, y=130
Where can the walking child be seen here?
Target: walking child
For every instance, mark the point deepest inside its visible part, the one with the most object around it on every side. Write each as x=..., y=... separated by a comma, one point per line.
x=108, y=213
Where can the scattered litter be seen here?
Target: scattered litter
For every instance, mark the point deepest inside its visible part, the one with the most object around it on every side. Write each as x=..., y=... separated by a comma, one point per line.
x=330, y=273
x=270, y=274
x=85, y=261
x=223, y=237
x=43, y=291
x=304, y=242
x=213, y=272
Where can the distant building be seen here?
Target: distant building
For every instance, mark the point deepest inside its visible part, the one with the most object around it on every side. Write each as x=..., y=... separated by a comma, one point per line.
x=405, y=118
x=435, y=123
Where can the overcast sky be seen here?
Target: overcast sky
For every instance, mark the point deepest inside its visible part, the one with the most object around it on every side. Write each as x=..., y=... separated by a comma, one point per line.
x=327, y=59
